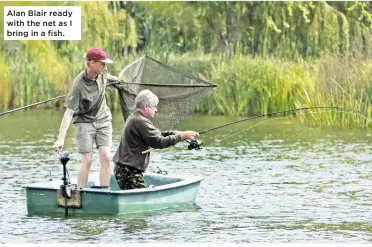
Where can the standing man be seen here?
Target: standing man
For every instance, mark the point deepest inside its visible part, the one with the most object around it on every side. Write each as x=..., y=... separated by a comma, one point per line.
x=139, y=135
x=86, y=107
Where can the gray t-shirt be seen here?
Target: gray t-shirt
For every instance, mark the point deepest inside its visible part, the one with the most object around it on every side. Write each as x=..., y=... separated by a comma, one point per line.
x=87, y=99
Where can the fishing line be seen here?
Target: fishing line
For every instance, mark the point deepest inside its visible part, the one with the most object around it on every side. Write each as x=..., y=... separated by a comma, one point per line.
x=244, y=130
x=196, y=144
x=287, y=111
x=303, y=114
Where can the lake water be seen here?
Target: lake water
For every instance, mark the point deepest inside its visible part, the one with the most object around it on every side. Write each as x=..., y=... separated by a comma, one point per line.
x=275, y=182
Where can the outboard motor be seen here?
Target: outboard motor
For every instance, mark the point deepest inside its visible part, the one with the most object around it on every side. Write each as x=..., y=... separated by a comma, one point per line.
x=64, y=157
x=69, y=197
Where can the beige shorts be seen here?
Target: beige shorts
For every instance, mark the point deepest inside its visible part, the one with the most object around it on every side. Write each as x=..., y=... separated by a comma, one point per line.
x=99, y=132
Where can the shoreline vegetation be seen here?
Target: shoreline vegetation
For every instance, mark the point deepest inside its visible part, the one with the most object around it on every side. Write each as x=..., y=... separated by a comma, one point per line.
x=291, y=55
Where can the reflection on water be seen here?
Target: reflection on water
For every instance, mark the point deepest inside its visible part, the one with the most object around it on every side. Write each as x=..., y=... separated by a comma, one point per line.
x=277, y=182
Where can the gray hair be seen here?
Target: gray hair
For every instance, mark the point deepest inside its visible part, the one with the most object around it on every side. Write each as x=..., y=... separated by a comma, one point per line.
x=146, y=97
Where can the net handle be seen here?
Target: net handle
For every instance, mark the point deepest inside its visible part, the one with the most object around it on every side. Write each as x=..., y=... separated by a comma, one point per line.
x=167, y=85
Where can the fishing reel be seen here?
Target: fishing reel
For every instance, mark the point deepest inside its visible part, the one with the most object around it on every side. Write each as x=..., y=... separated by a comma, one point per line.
x=195, y=144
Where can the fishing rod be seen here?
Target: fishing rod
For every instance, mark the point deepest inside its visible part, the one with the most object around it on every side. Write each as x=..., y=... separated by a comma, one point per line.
x=266, y=120
x=196, y=144
x=286, y=111
x=34, y=104
x=109, y=84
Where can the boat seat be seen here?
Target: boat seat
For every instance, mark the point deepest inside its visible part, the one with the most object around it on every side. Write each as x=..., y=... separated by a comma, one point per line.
x=114, y=186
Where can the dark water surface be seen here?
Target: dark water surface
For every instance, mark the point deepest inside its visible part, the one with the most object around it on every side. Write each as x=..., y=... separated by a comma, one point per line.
x=276, y=182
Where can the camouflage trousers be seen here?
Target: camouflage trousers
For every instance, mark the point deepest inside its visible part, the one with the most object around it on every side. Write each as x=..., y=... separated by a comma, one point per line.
x=129, y=178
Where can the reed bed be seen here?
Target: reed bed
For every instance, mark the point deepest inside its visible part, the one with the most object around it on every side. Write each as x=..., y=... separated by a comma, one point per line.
x=250, y=86
x=247, y=85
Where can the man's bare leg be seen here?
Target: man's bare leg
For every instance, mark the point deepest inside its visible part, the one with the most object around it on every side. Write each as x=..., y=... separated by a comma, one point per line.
x=86, y=162
x=105, y=159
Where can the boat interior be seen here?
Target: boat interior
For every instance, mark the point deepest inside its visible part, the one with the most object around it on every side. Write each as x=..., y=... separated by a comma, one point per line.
x=150, y=179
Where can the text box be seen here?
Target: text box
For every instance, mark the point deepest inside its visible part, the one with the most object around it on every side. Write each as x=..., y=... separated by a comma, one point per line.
x=42, y=23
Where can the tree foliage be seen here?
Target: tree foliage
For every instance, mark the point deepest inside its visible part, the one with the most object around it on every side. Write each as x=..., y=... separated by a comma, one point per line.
x=290, y=30
x=282, y=29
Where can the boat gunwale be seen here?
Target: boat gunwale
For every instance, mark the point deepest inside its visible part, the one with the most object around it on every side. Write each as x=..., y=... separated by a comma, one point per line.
x=184, y=180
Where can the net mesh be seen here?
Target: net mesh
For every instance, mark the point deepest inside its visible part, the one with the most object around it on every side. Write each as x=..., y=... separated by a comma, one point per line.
x=178, y=93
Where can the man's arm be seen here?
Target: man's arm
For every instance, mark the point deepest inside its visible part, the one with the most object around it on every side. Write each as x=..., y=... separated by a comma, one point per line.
x=65, y=124
x=185, y=135
x=154, y=138
x=170, y=132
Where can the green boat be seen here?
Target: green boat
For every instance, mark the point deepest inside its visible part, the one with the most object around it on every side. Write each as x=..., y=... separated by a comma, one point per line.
x=164, y=191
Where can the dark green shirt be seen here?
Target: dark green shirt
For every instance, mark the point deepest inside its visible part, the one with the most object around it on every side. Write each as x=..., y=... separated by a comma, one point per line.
x=87, y=99
x=139, y=135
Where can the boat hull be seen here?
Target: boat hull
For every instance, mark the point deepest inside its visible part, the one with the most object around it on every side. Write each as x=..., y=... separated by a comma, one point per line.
x=167, y=192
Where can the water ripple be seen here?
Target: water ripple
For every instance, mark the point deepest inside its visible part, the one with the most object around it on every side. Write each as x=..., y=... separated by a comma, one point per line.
x=280, y=185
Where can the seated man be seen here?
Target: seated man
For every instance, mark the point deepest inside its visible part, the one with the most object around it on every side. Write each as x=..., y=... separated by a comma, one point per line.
x=139, y=135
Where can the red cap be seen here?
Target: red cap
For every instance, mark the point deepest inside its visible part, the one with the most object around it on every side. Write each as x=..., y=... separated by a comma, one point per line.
x=97, y=54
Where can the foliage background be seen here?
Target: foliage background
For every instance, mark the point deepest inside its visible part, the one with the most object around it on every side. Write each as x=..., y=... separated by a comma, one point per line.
x=264, y=56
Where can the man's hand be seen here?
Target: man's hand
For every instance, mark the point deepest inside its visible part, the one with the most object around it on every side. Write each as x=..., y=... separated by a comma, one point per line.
x=58, y=144
x=112, y=78
x=189, y=135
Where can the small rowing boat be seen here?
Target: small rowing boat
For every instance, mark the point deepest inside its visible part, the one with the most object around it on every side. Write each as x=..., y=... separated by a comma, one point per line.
x=164, y=191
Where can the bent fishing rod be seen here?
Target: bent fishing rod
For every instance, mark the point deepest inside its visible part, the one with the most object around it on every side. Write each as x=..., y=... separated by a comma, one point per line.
x=288, y=111
x=196, y=144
